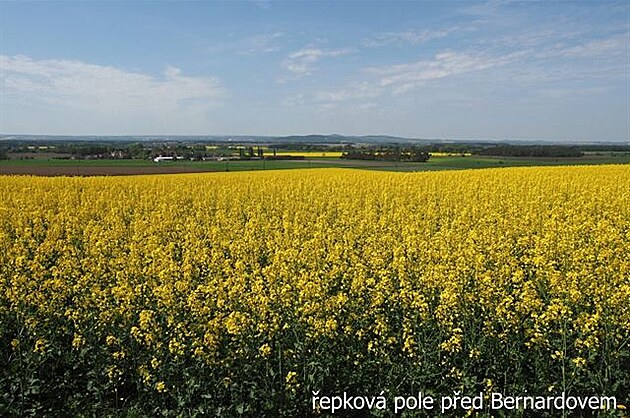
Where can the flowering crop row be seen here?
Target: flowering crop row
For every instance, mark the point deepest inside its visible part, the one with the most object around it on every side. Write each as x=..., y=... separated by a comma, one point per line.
x=244, y=293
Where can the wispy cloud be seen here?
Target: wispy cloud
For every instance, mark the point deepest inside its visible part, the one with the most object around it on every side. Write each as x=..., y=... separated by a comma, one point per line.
x=301, y=63
x=608, y=47
x=263, y=43
x=262, y=4
x=412, y=37
x=528, y=39
x=78, y=84
x=489, y=8
x=385, y=81
x=361, y=91
x=257, y=44
x=532, y=64
x=403, y=77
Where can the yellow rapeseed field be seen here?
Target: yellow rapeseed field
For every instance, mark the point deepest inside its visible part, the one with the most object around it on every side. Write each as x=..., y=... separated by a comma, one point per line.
x=248, y=293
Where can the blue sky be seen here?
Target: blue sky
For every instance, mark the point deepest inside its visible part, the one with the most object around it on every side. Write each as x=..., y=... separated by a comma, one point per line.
x=426, y=69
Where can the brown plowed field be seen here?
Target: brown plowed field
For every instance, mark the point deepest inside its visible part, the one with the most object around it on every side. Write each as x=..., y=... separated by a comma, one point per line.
x=97, y=170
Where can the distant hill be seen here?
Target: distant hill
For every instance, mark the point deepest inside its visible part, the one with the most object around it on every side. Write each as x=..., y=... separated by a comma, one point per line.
x=333, y=139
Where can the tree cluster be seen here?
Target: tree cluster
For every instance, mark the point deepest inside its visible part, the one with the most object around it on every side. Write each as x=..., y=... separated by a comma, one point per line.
x=531, y=151
x=388, y=154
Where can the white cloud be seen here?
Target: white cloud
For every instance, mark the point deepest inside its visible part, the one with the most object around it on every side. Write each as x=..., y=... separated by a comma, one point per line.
x=76, y=84
x=300, y=63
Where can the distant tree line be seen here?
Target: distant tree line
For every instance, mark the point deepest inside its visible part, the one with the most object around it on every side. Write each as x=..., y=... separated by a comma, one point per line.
x=531, y=151
x=388, y=154
x=78, y=150
x=292, y=146
x=605, y=148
